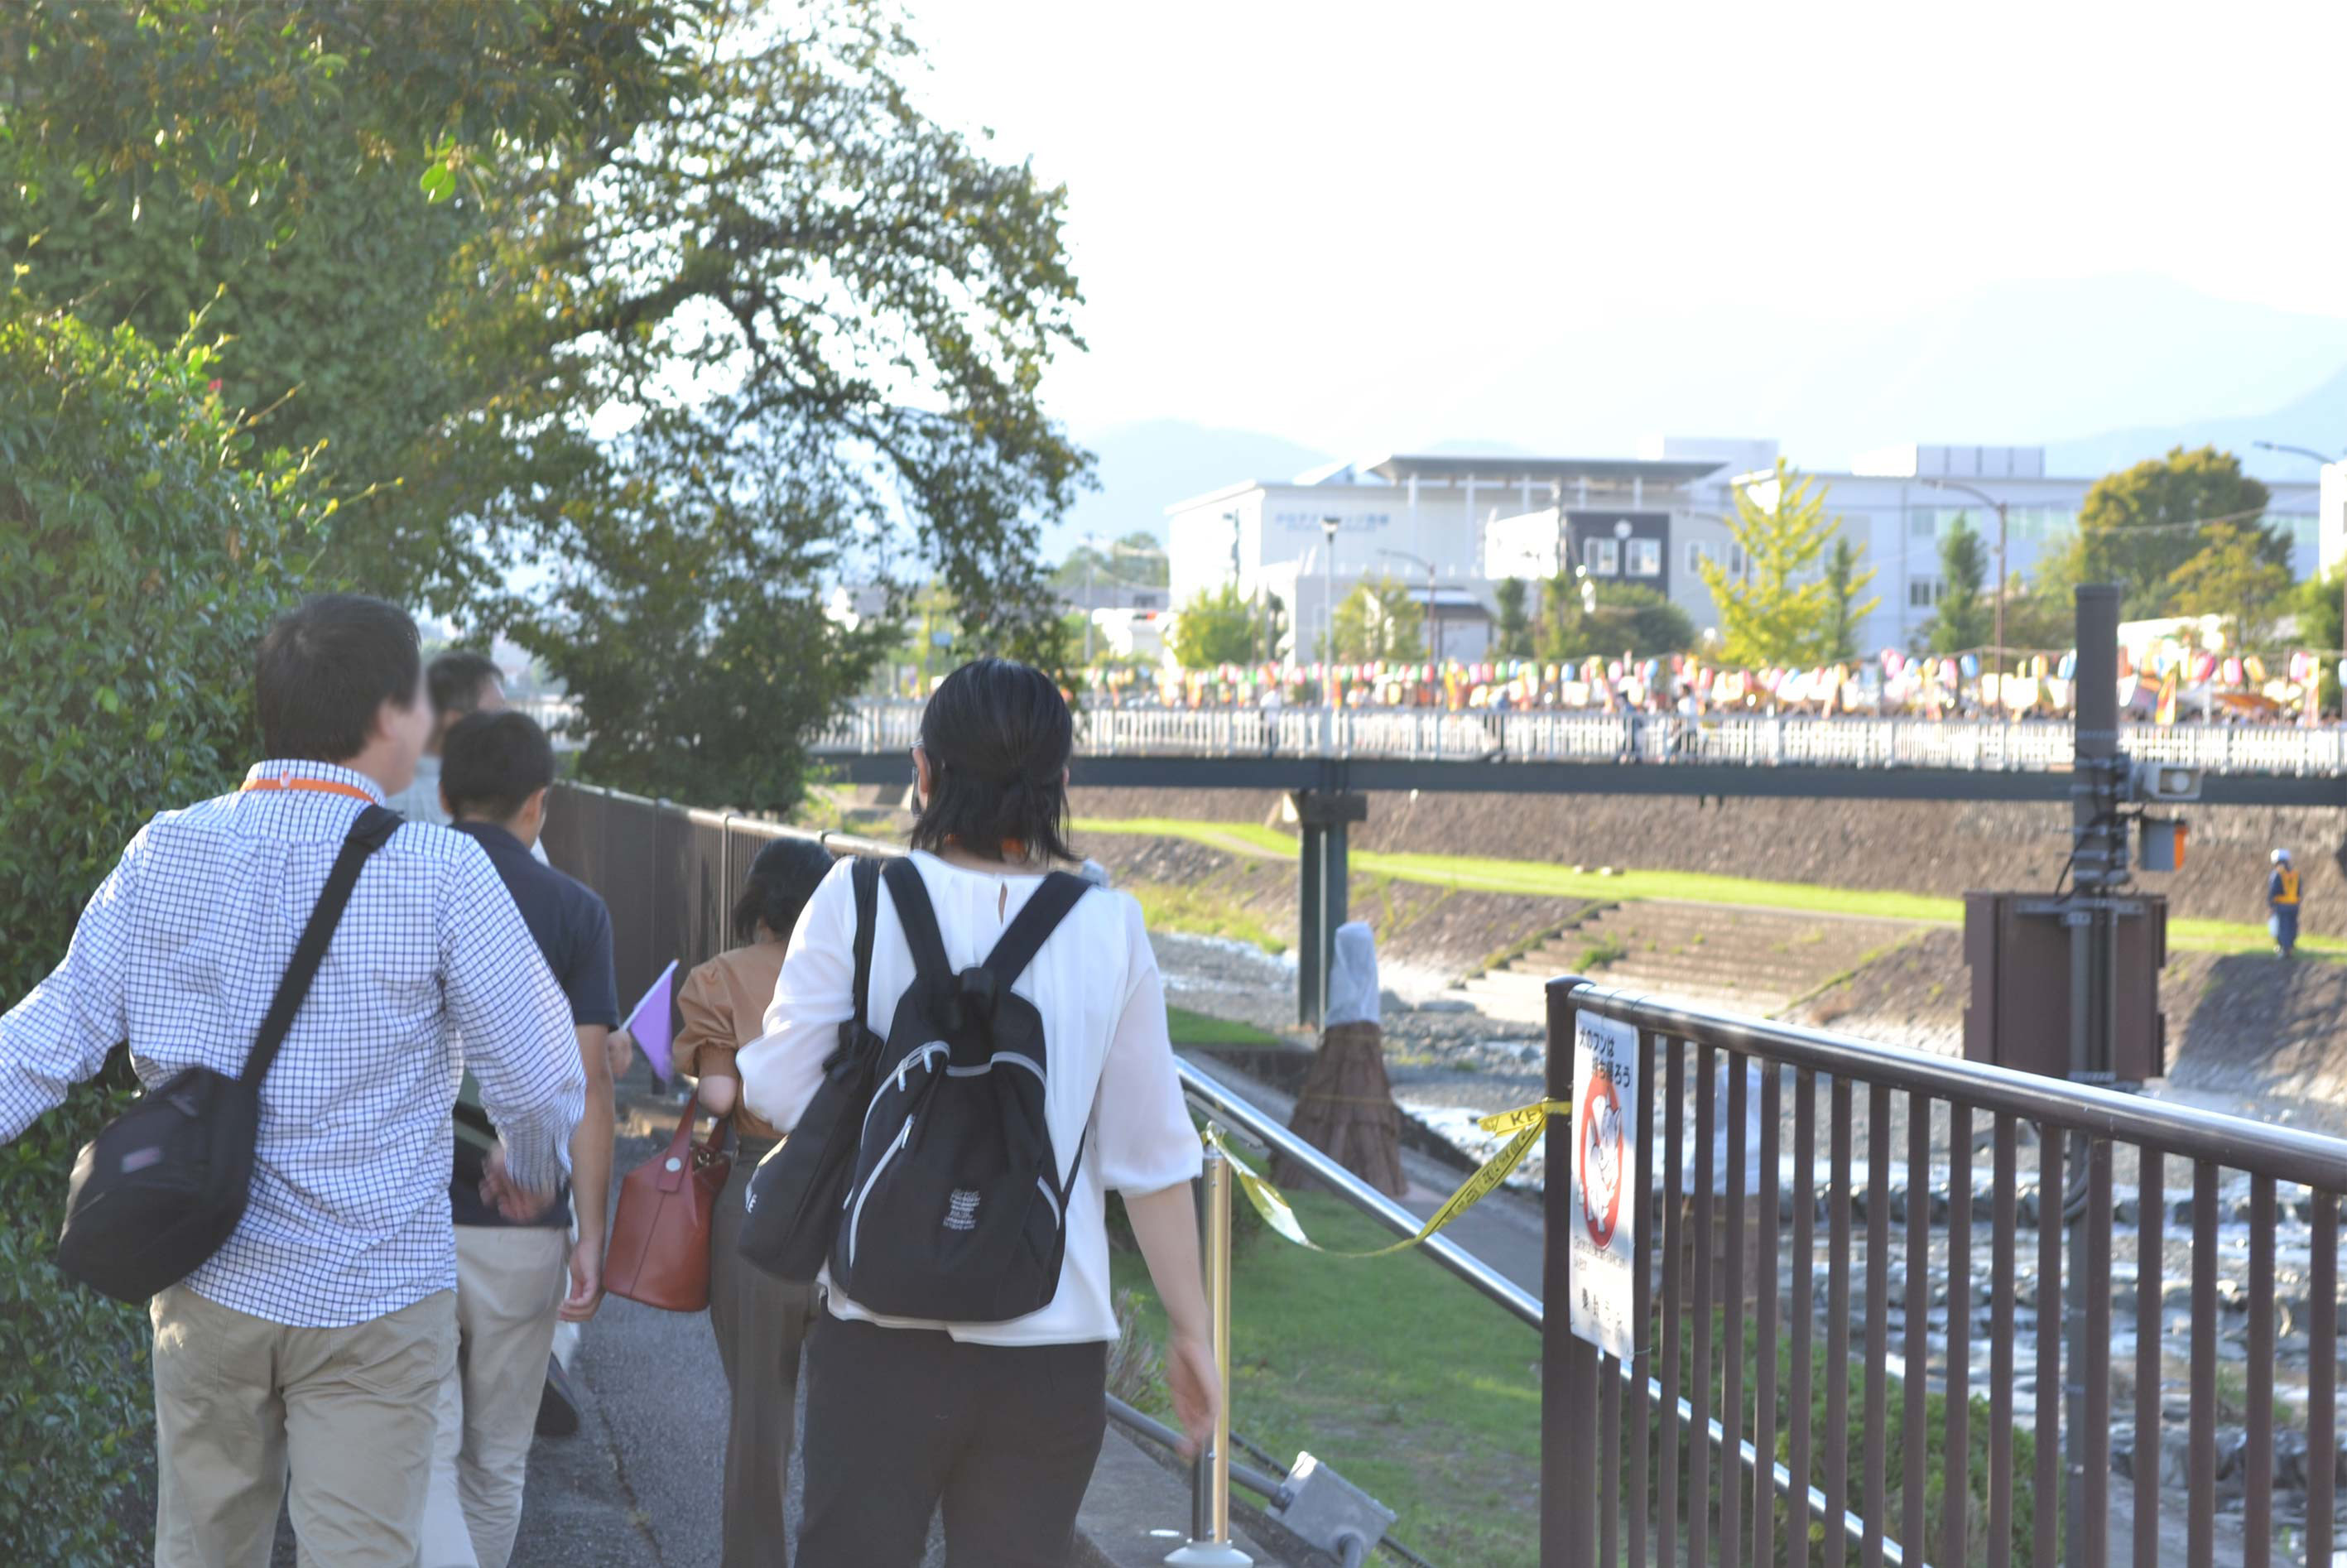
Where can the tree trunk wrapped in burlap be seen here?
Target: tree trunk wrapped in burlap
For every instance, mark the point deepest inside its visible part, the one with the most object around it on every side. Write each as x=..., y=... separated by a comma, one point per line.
x=1346, y=1111
x=1346, y=1107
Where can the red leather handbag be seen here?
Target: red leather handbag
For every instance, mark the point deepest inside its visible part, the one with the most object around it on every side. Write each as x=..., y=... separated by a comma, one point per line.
x=659, y=1252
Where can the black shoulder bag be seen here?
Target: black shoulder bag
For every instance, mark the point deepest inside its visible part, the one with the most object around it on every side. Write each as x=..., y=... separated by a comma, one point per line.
x=163, y=1186
x=791, y=1211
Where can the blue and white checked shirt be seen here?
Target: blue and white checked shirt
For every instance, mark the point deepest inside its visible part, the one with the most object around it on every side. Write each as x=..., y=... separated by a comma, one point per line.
x=179, y=951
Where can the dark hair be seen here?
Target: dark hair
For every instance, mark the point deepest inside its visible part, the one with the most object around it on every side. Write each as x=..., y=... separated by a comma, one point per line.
x=999, y=736
x=781, y=880
x=325, y=669
x=456, y=679
x=492, y=763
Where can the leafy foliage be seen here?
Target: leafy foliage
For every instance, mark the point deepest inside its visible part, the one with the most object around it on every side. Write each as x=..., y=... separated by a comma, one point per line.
x=313, y=172
x=1625, y=618
x=142, y=549
x=477, y=239
x=1217, y=627
x=1379, y=620
x=1964, y=620
x=2241, y=574
x=1780, y=612
x=1514, y=633
x=1844, y=582
x=684, y=613
x=2138, y=527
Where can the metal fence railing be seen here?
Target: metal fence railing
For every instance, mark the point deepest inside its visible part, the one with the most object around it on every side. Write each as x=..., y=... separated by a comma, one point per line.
x=875, y=727
x=2073, y=1275
x=668, y=874
x=1828, y=1202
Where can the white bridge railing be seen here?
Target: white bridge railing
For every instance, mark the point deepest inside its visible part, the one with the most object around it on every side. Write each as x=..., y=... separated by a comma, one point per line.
x=874, y=727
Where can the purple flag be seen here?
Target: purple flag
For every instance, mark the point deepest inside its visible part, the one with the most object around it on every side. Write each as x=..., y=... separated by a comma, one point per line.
x=650, y=1023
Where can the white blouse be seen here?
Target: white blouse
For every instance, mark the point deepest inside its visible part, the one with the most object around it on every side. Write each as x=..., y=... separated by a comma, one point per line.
x=1096, y=986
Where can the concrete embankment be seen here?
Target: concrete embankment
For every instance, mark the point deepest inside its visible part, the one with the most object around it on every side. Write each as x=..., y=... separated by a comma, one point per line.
x=1937, y=848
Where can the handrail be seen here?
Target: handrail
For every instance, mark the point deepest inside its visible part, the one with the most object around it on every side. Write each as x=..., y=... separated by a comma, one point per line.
x=1226, y=1103
x=1235, y=1109
x=2255, y=1148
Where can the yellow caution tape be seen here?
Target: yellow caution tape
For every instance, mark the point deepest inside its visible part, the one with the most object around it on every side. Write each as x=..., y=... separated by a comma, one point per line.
x=1526, y=1123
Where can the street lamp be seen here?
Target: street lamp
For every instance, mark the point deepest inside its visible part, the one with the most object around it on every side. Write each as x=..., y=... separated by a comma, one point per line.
x=1988, y=500
x=2326, y=462
x=1329, y=598
x=1433, y=613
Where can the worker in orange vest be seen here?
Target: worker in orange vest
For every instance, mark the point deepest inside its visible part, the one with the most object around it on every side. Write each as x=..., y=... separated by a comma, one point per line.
x=2281, y=903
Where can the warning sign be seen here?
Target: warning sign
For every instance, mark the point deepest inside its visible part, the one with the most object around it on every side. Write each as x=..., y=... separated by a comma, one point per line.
x=1605, y=1133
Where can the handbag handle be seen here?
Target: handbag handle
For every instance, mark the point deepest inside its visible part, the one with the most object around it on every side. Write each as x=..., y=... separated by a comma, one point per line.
x=676, y=1166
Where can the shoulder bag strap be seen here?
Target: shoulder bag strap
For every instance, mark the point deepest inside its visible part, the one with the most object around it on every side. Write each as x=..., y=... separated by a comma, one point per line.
x=918, y=917
x=1033, y=925
x=374, y=825
x=866, y=877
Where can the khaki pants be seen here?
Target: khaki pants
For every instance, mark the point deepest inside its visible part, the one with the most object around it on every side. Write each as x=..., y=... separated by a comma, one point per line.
x=237, y=1399
x=760, y=1322
x=510, y=1281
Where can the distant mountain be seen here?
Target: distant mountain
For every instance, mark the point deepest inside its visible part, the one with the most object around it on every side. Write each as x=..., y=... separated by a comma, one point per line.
x=2034, y=362
x=1147, y=466
x=2318, y=420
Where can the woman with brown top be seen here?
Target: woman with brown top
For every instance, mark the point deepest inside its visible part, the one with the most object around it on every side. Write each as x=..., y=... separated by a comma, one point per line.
x=759, y=1320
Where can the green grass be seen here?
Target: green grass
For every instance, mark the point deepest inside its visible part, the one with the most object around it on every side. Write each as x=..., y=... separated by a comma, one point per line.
x=1411, y=1385
x=1539, y=879
x=1198, y=1028
x=1201, y=912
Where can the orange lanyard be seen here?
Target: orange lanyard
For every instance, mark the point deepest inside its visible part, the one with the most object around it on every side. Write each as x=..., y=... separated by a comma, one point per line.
x=320, y=786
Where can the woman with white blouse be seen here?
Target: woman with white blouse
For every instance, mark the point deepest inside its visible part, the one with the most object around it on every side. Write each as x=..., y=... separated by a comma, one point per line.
x=1001, y=1423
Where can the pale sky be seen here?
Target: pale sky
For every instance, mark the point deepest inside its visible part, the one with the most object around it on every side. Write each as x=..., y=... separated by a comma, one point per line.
x=1333, y=222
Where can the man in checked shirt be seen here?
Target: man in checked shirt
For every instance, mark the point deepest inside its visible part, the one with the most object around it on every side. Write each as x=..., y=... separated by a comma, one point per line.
x=315, y=1340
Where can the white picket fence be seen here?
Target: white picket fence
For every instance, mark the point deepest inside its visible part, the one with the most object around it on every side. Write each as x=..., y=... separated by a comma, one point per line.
x=875, y=727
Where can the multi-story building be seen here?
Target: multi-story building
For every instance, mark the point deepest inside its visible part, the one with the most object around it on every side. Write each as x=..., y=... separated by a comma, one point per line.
x=1648, y=520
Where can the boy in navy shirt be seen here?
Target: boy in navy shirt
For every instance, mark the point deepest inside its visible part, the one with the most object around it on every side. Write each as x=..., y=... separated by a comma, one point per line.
x=496, y=771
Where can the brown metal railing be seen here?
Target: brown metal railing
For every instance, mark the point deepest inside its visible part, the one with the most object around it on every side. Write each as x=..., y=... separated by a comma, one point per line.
x=1637, y=1486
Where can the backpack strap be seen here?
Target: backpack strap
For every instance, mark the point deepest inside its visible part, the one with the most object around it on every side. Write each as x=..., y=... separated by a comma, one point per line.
x=864, y=874
x=1032, y=926
x=373, y=828
x=919, y=919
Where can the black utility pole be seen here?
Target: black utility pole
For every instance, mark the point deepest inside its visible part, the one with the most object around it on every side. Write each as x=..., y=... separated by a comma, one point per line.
x=2099, y=784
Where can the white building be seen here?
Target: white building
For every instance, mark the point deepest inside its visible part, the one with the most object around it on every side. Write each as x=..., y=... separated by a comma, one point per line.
x=1305, y=541
x=1648, y=520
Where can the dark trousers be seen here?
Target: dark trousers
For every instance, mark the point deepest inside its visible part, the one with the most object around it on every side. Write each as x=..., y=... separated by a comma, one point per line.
x=900, y=1421
x=760, y=1322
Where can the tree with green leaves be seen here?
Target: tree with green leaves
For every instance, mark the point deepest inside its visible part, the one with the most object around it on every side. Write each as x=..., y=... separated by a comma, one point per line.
x=1214, y=628
x=1623, y=617
x=1965, y=619
x=146, y=539
x=1379, y=620
x=2319, y=603
x=2138, y=527
x=1845, y=580
x=2241, y=573
x=468, y=240
x=1515, y=629
x=1781, y=611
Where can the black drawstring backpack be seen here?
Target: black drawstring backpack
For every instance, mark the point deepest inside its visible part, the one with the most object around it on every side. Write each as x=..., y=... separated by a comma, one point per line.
x=956, y=1213
x=164, y=1185
x=791, y=1210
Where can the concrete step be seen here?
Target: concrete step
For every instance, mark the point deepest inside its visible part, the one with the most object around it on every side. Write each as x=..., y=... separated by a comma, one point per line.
x=1701, y=964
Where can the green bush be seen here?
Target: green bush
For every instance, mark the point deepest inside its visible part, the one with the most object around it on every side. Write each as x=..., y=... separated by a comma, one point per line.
x=142, y=549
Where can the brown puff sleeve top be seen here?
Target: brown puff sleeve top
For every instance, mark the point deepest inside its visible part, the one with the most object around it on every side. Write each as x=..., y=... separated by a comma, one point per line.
x=724, y=1004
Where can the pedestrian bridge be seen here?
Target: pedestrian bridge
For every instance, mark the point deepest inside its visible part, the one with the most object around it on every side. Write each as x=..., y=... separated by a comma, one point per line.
x=1536, y=751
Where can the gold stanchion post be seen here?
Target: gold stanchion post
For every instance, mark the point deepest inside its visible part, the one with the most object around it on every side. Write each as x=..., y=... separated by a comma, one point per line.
x=1210, y=1495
